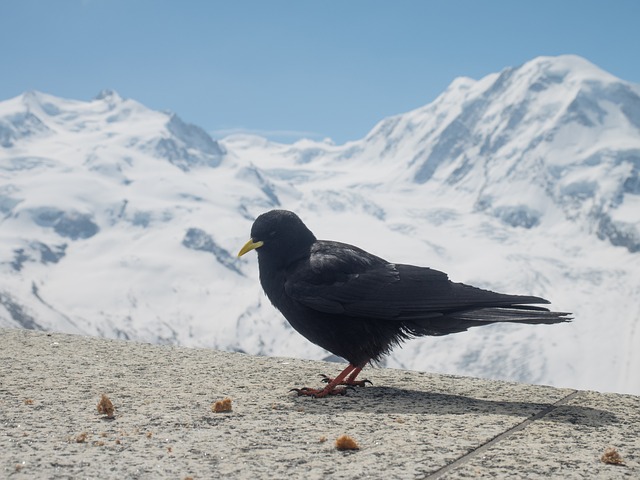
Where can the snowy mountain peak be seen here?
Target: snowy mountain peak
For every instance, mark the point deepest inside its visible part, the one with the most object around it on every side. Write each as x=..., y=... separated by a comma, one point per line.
x=108, y=119
x=555, y=136
x=108, y=95
x=569, y=68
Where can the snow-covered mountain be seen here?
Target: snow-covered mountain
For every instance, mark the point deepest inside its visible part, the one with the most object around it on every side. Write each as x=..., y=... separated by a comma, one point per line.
x=121, y=221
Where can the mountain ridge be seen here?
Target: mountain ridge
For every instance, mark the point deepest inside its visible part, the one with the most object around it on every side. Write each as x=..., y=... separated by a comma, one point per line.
x=120, y=221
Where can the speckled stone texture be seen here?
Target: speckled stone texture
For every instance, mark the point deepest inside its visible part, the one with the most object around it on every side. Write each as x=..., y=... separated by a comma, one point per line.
x=409, y=425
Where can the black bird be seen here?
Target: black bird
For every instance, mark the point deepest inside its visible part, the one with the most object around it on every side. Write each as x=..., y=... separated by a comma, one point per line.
x=359, y=306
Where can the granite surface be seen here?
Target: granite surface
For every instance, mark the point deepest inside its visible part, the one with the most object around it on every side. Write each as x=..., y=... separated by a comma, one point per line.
x=408, y=425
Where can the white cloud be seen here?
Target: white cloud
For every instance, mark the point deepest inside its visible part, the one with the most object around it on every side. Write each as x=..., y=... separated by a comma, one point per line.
x=278, y=135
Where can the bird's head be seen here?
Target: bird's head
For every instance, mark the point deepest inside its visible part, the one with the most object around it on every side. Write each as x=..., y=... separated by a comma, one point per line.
x=279, y=237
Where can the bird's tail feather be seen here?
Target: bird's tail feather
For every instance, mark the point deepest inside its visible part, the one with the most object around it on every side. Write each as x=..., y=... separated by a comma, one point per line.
x=516, y=313
x=461, y=321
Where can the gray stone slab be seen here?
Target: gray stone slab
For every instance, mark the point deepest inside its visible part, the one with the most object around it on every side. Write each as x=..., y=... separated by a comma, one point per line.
x=567, y=443
x=409, y=425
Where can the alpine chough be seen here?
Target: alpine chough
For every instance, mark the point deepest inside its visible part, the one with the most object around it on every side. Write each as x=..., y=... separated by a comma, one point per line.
x=359, y=306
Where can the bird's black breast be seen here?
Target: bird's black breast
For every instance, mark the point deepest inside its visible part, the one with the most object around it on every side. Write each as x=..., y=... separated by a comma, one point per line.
x=315, y=293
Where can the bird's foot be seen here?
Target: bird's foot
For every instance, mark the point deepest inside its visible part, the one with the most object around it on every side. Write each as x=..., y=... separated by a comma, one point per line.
x=319, y=392
x=348, y=382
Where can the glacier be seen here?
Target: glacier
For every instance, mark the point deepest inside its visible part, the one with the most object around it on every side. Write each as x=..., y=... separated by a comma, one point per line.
x=121, y=221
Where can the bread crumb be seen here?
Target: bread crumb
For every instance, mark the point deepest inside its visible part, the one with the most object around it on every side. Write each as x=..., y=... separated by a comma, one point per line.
x=345, y=442
x=106, y=407
x=149, y=434
x=323, y=439
x=82, y=437
x=28, y=401
x=222, y=406
x=611, y=457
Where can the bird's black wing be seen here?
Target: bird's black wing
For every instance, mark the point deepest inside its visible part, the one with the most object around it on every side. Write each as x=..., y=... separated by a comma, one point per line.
x=342, y=279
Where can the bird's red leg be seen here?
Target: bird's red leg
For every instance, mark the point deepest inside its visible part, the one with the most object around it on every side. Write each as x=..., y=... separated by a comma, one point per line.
x=350, y=381
x=331, y=389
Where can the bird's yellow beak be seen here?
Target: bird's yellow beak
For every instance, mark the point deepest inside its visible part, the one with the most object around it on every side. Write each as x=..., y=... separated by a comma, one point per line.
x=250, y=245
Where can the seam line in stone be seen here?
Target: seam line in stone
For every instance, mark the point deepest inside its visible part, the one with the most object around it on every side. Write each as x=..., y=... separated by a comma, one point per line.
x=500, y=437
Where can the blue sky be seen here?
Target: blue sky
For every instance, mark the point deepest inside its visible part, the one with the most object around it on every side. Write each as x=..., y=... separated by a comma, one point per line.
x=287, y=69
